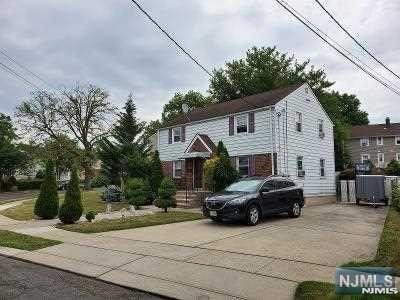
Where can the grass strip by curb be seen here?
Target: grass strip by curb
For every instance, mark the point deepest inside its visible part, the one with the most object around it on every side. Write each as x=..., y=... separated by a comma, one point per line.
x=23, y=241
x=387, y=255
x=158, y=218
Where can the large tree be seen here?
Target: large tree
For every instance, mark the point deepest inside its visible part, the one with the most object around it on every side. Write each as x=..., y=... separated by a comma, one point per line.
x=174, y=107
x=81, y=112
x=124, y=152
x=11, y=155
x=264, y=69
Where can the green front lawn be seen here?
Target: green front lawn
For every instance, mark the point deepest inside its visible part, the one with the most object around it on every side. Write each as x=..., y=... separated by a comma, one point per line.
x=158, y=218
x=387, y=255
x=23, y=241
x=91, y=202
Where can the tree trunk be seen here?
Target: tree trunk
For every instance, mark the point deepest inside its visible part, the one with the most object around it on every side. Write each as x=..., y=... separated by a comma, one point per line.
x=88, y=176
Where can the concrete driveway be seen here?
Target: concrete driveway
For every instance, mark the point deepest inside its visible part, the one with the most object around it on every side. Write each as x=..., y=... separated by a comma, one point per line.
x=206, y=260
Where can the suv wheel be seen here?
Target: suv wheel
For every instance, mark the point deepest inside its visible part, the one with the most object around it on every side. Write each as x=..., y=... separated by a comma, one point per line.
x=295, y=210
x=253, y=215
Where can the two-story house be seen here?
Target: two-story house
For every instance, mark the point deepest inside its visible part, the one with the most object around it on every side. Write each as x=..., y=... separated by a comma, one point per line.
x=288, y=122
x=379, y=143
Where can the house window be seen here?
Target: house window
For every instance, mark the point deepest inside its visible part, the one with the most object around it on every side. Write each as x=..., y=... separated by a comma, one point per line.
x=241, y=123
x=379, y=141
x=397, y=140
x=398, y=156
x=243, y=165
x=364, y=142
x=176, y=134
x=364, y=158
x=381, y=160
x=322, y=167
x=177, y=169
x=321, y=128
x=300, y=167
x=299, y=121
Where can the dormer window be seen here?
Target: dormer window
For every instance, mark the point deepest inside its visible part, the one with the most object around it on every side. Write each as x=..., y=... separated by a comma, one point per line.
x=364, y=142
x=177, y=134
x=242, y=123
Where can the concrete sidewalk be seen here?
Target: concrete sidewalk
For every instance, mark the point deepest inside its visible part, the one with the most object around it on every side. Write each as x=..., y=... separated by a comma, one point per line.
x=200, y=259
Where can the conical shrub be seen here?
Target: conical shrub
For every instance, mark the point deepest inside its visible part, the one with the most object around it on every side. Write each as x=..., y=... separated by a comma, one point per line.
x=71, y=210
x=46, y=206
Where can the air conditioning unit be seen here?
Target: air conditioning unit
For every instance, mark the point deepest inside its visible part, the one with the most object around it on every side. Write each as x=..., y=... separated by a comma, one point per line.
x=321, y=134
x=301, y=173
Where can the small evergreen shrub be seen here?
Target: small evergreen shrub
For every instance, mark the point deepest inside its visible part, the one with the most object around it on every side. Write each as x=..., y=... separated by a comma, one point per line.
x=112, y=194
x=99, y=181
x=71, y=210
x=46, y=205
x=393, y=168
x=90, y=216
x=136, y=192
x=224, y=173
x=209, y=170
x=166, y=194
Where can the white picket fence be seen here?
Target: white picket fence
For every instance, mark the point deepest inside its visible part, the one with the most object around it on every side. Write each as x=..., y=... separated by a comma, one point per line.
x=348, y=189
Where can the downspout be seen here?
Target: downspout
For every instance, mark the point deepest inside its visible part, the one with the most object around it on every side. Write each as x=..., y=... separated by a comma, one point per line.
x=271, y=127
x=286, y=142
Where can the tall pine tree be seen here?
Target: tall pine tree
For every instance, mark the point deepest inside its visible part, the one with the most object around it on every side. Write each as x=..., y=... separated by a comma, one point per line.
x=125, y=152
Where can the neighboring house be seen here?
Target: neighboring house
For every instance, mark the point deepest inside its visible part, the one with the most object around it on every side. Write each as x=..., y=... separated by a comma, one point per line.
x=379, y=143
x=288, y=122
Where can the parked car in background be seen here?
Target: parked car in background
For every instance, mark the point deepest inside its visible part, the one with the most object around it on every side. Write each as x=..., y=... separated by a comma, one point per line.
x=252, y=198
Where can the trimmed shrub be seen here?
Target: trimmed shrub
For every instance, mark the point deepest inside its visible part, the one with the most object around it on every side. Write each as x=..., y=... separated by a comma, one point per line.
x=90, y=216
x=149, y=193
x=209, y=170
x=166, y=194
x=112, y=194
x=396, y=196
x=156, y=175
x=34, y=184
x=71, y=210
x=136, y=192
x=393, y=168
x=224, y=173
x=99, y=181
x=46, y=205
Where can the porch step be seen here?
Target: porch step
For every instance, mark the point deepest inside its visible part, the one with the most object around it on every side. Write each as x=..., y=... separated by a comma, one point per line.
x=190, y=202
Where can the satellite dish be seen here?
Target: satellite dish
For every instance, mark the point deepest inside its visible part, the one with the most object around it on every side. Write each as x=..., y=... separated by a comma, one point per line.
x=185, y=108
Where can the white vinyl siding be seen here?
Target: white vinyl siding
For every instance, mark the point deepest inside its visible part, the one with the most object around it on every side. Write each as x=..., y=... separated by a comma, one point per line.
x=218, y=129
x=308, y=144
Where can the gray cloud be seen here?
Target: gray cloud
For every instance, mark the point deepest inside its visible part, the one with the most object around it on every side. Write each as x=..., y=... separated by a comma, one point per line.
x=109, y=43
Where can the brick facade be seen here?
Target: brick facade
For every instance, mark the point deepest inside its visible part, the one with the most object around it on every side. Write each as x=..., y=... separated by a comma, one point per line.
x=260, y=165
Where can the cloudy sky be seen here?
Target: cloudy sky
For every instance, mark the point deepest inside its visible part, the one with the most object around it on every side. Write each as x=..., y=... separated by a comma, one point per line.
x=109, y=43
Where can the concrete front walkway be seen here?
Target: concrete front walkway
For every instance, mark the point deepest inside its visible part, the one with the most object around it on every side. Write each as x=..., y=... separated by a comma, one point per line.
x=200, y=259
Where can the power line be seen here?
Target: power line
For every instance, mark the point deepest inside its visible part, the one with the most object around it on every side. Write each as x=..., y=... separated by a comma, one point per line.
x=186, y=52
x=356, y=41
x=18, y=76
x=2, y=51
x=339, y=51
x=341, y=47
x=171, y=38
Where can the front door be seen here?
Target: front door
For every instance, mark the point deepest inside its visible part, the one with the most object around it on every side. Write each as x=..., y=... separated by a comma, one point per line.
x=198, y=173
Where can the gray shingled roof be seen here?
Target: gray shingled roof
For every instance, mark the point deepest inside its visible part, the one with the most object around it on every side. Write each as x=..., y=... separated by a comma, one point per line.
x=375, y=130
x=235, y=106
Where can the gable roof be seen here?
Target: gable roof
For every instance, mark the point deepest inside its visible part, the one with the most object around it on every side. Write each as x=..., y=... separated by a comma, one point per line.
x=202, y=141
x=375, y=130
x=247, y=103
